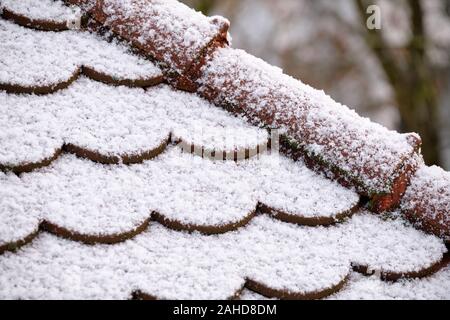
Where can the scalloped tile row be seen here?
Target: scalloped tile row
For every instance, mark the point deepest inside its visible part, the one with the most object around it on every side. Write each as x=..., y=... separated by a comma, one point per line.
x=435, y=287
x=43, y=62
x=271, y=257
x=109, y=123
x=186, y=191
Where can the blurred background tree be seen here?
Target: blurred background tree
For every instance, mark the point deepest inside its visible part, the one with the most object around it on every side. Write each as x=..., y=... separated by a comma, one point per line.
x=205, y=6
x=410, y=74
x=398, y=76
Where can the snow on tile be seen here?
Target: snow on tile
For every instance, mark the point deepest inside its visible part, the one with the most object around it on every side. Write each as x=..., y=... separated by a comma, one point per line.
x=385, y=245
x=30, y=132
x=46, y=10
x=427, y=200
x=291, y=188
x=53, y=268
x=365, y=151
x=360, y=287
x=176, y=265
x=18, y=219
x=112, y=58
x=196, y=191
x=435, y=287
x=169, y=30
x=88, y=198
x=32, y=58
x=113, y=121
x=311, y=261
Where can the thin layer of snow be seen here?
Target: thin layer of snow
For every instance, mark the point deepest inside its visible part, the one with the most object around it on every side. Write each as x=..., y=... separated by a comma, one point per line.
x=18, y=218
x=29, y=132
x=33, y=58
x=195, y=191
x=47, y=10
x=176, y=33
x=360, y=287
x=176, y=265
x=428, y=196
x=111, y=120
x=380, y=242
x=88, y=198
x=367, y=152
x=435, y=287
x=279, y=180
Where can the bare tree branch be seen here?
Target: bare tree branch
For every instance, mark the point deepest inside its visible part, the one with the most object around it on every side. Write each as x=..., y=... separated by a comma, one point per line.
x=418, y=39
x=447, y=7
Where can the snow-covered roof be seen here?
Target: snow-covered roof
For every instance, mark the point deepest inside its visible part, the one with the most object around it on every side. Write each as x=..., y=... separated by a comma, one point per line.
x=114, y=183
